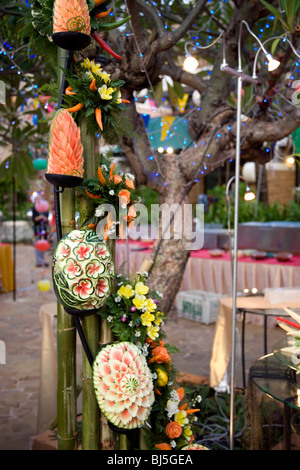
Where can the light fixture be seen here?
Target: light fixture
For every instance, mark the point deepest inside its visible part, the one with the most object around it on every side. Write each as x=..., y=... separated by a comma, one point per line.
x=190, y=63
x=273, y=63
x=170, y=150
x=290, y=161
x=160, y=150
x=249, y=195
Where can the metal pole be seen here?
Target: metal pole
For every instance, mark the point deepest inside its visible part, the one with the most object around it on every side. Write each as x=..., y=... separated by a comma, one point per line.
x=235, y=250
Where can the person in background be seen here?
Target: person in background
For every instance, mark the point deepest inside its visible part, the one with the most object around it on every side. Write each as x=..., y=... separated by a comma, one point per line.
x=40, y=228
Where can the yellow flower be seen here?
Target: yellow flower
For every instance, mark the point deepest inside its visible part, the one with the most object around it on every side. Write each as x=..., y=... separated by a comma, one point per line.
x=105, y=93
x=150, y=305
x=147, y=318
x=153, y=332
x=119, y=98
x=126, y=292
x=141, y=289
x=139, y=301
x=158, y=320
x=86, y=63
x=181, y=418
x=96, y=69
x=105, y=77
x=187, y=432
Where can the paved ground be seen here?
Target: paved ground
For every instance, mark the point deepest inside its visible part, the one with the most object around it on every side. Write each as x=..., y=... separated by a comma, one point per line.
x=20, y=330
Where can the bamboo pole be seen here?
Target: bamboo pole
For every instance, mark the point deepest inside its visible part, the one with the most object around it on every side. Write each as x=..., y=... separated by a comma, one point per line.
x=90, y=324
x=108, y=440
x=66, y=332
x=66, y=352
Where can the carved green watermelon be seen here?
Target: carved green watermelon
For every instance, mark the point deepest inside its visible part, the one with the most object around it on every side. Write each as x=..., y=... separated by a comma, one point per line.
x=82, y=270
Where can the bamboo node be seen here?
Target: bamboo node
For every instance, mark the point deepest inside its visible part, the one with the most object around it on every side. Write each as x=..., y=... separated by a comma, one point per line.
x=67, y=329
x=68, y=438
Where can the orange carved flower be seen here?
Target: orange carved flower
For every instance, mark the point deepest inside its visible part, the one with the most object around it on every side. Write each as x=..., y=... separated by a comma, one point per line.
x=163, y=446
x=117, y=179
x=129, y=184
x=124, y=196
x=173, y=430
x=131, y=213
x=160, y=354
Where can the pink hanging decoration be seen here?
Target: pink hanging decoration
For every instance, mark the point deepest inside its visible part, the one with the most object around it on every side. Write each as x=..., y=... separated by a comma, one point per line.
x=41, y=205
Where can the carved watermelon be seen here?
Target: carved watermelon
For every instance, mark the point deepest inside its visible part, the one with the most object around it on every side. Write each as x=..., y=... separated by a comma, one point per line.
x=82, y=270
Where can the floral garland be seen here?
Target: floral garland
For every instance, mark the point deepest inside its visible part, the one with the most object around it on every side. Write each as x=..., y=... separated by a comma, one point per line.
x=133, y=313
x=92, y=91
x=114, y=190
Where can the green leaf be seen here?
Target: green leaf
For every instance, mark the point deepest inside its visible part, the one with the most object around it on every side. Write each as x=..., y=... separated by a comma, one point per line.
x=178, y=89
x=275, y=12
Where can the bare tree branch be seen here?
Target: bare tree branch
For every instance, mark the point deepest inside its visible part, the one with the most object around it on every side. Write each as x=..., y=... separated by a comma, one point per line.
x=170, y=39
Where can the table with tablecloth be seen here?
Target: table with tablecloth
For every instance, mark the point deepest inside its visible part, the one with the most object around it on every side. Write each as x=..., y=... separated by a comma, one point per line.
x=221, y=350
x=213, y=274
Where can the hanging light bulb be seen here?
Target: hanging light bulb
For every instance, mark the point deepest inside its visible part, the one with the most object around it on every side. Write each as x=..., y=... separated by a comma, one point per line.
x=273, y=63
x=249, y=195
x=190, y=63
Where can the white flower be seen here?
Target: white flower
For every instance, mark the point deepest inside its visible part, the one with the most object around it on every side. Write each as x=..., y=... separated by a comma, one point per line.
x=118, y=299
x=109, y=318
x=137, y=334
x=104, y=167
x=111, y=192
x=145, y=273
x=174, y=395
x=130, y=323
x=129, y=176
x=172, y=407
x=199, y=398
x=145, y=350
x=173, y=444
x=123, y=206
x=154, y=375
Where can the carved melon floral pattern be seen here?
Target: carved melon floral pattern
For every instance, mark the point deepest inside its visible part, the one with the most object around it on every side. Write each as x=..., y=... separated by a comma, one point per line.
x=72, y=269
x=83, y=251
x=82, y=270
x=123, y=384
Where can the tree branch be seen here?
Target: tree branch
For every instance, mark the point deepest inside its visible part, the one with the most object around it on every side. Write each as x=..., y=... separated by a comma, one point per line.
x=170, y=39
x=181, y=76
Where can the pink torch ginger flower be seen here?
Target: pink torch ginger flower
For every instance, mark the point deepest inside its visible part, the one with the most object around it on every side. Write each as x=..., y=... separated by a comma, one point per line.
x=123, y=385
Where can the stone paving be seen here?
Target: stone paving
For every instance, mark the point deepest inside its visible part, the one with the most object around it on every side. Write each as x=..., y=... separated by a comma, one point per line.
x=20, y=329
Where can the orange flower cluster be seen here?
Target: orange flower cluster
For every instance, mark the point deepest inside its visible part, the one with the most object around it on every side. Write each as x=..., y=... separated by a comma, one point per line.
x=159, y=352
x=115, y=184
